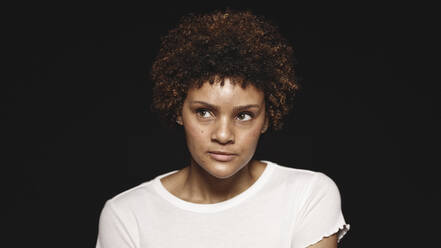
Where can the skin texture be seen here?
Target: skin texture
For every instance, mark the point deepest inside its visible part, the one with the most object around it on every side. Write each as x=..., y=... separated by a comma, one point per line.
x=222, y=127
x=327, y=242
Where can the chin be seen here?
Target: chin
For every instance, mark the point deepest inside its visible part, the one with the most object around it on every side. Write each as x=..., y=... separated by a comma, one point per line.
x=222, y=170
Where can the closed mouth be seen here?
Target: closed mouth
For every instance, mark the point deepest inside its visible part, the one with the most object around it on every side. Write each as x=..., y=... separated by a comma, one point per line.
x=222, y=156
x=221, y=153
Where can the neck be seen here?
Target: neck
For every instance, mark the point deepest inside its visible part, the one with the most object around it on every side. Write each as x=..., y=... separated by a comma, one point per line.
x=202, y=187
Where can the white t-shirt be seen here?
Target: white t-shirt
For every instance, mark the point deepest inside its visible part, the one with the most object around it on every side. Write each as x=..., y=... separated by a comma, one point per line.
x=285, y=207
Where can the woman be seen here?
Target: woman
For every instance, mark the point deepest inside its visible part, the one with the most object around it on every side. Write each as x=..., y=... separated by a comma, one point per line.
x=226, y=77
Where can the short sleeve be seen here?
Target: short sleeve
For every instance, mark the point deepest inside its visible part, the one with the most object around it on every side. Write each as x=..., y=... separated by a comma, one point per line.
x=115, y=229
x=321, y=214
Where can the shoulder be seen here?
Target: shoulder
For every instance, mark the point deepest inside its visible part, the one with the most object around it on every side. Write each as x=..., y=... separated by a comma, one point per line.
x=321, y=181
x=292, y=173
x=131, y=197
x=122, y=209
x=323, y=193
x=309, y=182
x=305, y=176
x=118, y=222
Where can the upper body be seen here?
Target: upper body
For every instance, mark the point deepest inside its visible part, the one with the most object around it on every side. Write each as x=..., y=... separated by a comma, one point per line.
x=284, y=207
x=226, y=78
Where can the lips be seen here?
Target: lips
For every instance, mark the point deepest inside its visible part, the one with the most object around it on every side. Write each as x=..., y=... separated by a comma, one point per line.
x=221, y=156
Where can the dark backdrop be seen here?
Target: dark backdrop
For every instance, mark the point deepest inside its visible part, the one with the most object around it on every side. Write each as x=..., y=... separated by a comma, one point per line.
x=77, y=126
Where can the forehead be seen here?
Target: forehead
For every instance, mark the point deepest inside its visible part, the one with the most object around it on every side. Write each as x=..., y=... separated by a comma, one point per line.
x=228, y=93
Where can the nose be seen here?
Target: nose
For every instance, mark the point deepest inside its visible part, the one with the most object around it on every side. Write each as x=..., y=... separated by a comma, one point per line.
x=223, y=132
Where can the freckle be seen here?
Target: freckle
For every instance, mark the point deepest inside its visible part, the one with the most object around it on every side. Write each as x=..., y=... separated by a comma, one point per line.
x=202, y=131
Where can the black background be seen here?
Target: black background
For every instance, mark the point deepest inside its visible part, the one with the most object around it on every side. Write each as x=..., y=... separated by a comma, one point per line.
x=77, y=126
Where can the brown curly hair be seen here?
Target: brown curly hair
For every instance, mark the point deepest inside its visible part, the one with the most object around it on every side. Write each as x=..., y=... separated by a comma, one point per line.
x=219, y=45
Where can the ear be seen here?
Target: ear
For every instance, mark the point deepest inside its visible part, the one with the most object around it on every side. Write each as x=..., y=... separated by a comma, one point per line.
x=179, y=120
x=265, y=125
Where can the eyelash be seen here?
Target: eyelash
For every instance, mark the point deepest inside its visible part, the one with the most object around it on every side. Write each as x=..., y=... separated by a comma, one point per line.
x=247, y=113
x=198, y=111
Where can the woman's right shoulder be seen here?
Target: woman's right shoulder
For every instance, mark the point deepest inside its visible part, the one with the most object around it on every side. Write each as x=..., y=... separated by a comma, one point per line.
x=131, y=196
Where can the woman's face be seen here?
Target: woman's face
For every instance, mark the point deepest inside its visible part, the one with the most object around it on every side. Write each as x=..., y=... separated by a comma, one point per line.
x=223, y=119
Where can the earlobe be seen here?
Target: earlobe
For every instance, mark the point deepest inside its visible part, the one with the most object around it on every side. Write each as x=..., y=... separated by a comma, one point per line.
x=179, y=120
x=265, y=126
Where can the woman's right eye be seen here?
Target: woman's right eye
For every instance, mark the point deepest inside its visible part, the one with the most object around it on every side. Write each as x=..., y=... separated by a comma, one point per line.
x=204, y=113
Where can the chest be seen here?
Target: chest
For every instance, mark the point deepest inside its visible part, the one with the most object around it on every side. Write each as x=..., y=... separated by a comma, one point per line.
x=263, y=226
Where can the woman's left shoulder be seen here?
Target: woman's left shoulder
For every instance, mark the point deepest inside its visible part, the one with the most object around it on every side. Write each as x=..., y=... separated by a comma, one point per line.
x=306, y=176
x=306, y=180
x=323, y=188
x=321, y=179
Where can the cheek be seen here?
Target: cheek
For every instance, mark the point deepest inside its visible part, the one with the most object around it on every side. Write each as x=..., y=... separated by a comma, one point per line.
x=251, y=137
x=256, y=132
x=195, y=135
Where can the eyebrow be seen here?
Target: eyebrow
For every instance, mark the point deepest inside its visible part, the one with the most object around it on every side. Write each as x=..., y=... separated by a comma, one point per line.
x=235, y=109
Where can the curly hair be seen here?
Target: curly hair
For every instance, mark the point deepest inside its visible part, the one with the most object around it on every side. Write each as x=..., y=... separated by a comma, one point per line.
x=219, y=45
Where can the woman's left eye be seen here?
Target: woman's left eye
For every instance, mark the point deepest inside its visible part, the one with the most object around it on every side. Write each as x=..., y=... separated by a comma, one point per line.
x=245, y=116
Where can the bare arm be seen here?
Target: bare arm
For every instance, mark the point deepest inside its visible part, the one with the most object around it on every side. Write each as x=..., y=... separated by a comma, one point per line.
x=327, y=242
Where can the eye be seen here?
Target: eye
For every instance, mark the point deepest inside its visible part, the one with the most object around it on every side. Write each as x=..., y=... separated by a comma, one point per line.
x=245, y=116
x=203, y=113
